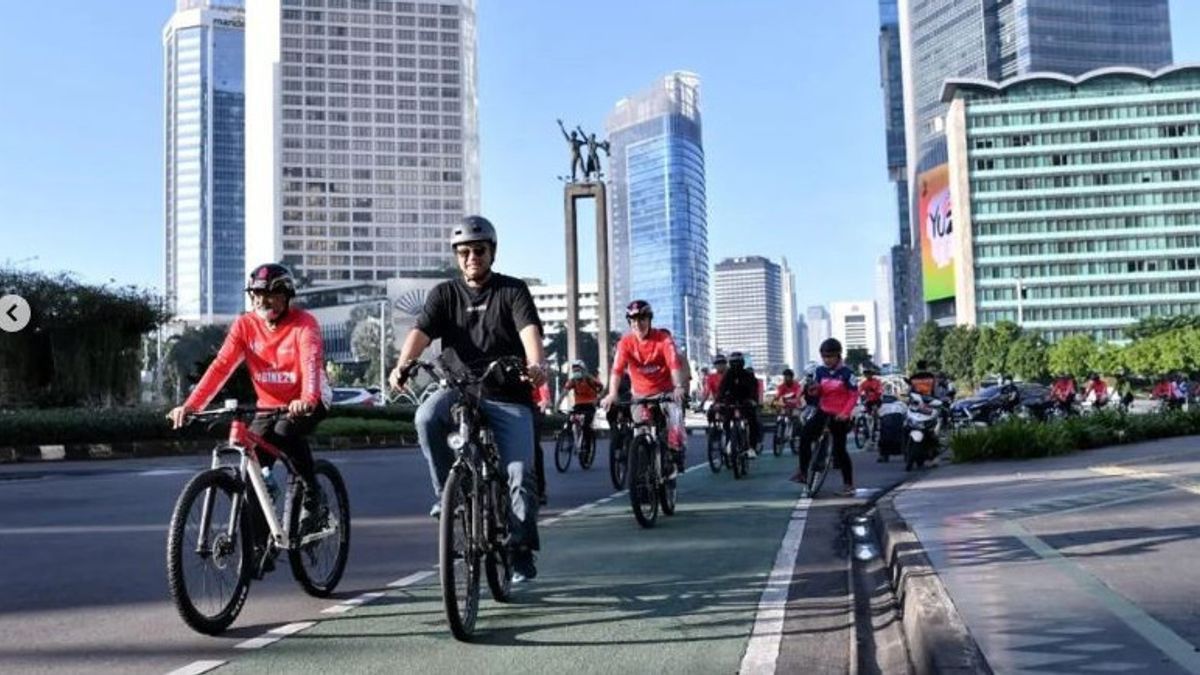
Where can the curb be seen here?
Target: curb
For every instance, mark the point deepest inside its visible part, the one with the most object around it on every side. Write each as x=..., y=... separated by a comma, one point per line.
x=937, y=638
x=144, y=449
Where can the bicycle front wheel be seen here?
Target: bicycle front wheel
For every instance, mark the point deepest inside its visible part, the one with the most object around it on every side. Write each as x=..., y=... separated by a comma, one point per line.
x=587, y=451
x=642, y=494
x=318, y=555
x=779, y=437
x=736, y=444
x=667, y=488
x=860, y=433
x=715, y=450
x=820, y=466
x=562, y=450
x=458, y=556
x=208, y=552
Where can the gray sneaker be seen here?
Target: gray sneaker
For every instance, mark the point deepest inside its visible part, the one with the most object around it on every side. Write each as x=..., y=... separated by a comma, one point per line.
x=523, y=567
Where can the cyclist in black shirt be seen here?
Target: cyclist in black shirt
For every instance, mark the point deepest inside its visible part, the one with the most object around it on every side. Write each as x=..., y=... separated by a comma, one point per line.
x=481, y=317
x=739, y=388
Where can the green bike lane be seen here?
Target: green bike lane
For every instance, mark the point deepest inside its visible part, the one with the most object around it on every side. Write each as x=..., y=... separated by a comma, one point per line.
x=610, y=596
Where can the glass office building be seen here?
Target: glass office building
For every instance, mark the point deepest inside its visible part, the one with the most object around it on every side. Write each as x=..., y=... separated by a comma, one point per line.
x=891, y=80
x=1000, y=39
x=204, y=57
x=657, y=214
x=1076, y=200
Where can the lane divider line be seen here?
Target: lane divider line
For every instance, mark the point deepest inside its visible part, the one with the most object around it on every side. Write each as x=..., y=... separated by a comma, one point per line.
x=411, y=579
x=762, y=651
x=353, y=602
x=275, y=635
x=197, y=667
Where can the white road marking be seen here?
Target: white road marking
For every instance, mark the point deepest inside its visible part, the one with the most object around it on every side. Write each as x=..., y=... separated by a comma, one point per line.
x=411, y=579
x=762, y=651
x=1156, y=476
x=353, y=602
x=82, y=529
x=275, y=635
x=197, y=667
x=164, y=472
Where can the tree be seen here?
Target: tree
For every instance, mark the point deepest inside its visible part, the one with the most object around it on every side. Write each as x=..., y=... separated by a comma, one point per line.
x=1073, y=355
x=1027, y=359
x=928, y=345
x=958, y=354
x=991, y=352
x=857, y=357
x=189, y=356
x=364, y=344
x=1157, y=325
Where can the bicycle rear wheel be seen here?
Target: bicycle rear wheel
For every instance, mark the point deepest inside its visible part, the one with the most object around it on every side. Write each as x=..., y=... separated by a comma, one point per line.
x=618, y=457
x=642, y=494
x=318, y=559
x=563, y=447
x=498, y=564
x=667, y=488
x=458, y=556
x=208, y=567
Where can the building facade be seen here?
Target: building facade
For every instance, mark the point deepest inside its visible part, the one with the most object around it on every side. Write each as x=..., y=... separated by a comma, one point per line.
x=883, y=309
x=658, y=227
x=854, y=324
x=204, y=152
x=994, y=40
x=366, y=151
x=891, y=79
x=551, y=303
x=818, y=328
x=750, y=311
x=1077, y=199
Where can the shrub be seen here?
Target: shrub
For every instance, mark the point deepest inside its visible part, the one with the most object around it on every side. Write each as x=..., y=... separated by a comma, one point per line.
x=1025, y=439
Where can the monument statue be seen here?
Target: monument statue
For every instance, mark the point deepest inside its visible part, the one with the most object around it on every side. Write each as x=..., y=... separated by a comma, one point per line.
x=592, y=170
x=576, y=143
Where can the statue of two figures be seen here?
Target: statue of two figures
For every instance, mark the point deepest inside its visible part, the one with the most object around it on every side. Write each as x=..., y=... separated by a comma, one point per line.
x=577, y=138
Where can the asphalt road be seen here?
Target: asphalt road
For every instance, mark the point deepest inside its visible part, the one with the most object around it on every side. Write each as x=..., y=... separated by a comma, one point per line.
x=83, y=585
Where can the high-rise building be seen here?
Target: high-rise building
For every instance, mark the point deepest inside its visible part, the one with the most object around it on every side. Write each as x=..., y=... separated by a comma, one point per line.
x=203, y=55
x=803, y=356
x=854, y=324
x=791, y=338
x=996, y=40
x=819, y=330
x=749, y=311
x=891, y=78
x=365, y=150
x=1075, y=200
x=551, y=303
x=658, y=229
x=883, y=308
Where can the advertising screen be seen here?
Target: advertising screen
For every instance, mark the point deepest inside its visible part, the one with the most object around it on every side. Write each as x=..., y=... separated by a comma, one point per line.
x=937, y=230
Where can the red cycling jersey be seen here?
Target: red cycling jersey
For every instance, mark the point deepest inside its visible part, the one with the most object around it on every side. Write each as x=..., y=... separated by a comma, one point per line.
x=286, y=364
x=650, y=362
x=712, y=384
x=871, y=390
x=789, y=395
x=1063, y=388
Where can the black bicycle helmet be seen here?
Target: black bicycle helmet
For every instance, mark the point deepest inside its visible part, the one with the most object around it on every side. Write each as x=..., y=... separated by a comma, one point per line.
x=719, y=360
x=788, y=372
x=272, y=278
x=638, y=308
x=737, y=360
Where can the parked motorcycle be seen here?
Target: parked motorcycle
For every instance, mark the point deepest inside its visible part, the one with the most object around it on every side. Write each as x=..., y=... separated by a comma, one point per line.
x=921, y=430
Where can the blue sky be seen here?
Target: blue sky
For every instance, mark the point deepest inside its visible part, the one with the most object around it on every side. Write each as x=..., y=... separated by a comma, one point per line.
x=792, y=114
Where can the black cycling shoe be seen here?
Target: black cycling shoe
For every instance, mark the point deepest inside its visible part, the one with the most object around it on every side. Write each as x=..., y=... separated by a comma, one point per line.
x=314, y=515
x=523, y=567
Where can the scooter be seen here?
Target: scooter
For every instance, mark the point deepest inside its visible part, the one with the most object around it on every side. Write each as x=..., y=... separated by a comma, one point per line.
x=922, y=426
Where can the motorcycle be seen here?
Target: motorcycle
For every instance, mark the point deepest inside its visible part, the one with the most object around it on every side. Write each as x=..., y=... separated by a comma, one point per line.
x=922, y=426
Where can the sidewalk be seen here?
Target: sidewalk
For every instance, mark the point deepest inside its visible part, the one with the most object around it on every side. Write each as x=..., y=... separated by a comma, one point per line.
x=1084, y=563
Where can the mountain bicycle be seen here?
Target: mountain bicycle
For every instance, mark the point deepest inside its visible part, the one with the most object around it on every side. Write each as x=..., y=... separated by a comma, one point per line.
x=649, y=457
x=226, y=529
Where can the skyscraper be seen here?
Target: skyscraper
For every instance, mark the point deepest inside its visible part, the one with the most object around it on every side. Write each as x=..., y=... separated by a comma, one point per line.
x=995, y=40
x=854, y=325
x=891, y=78
x=657, y=215
x=204, y=88
x=818, y=330
x=791, y=338
x=750, y=311
x=365, y=145
x=883, y=308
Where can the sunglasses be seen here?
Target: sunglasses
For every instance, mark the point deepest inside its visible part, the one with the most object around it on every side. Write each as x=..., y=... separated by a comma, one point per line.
x=465, y=252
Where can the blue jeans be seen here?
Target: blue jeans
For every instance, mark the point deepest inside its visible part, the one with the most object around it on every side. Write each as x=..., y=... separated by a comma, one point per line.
x=512, y=426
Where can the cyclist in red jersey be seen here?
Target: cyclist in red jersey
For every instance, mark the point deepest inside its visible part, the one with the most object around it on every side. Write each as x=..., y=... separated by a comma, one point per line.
x=870, y=389
x=650, y=357
x=282, y=347
x=789, y=395
x=712, y=383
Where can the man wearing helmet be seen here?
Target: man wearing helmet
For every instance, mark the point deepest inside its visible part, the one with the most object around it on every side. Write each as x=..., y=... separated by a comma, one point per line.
x=480, y=317
x=585, y=390
x=650, y=357
x=739, y=388
x=871, y=391
x=712, y=382
x=282, y=348
x=837, y=395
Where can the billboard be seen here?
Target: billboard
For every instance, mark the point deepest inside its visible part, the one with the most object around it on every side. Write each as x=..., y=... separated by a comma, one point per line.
x=937, y=233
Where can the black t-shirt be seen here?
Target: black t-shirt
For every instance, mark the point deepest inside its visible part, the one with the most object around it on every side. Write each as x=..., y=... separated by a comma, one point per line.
x=738, y=386
x=481, y=325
